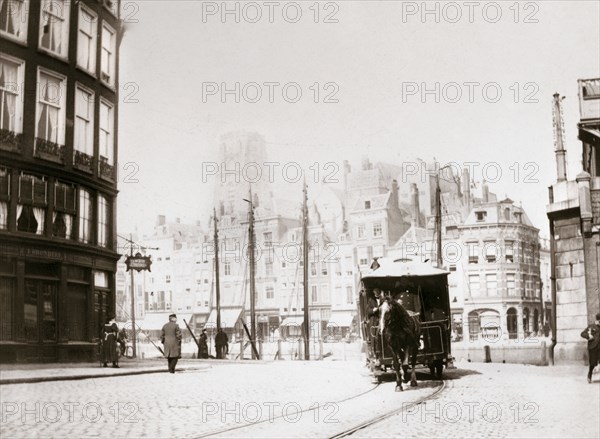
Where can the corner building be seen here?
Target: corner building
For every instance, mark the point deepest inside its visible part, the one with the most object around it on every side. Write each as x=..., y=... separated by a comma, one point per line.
x=58, y=184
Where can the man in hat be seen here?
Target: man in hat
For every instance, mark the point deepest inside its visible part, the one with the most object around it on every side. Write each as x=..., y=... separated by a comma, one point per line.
x=592, y=334
x=373, y=303
x=221, y=344
x=171, y=339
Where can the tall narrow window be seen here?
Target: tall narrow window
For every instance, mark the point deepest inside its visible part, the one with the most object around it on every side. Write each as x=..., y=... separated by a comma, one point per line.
x=106, y=132
x=108, y=55
x=349, y=295
x=474, y=285
x=314, y=295
x=14, y=18
x=103, y=222
x=4, y=196
x=64, y=210
x=54, y=26
x=511, y=284
x=50, y=127
x=377, y=230
x=31, y=208
x=84, y=121
x=85, y=216
x=11, y=99
x=491, y=284
x=86, y=40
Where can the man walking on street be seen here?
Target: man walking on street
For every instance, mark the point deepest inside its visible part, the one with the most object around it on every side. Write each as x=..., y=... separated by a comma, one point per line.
x=221, y=341
x=171, y=339
x=592, y=334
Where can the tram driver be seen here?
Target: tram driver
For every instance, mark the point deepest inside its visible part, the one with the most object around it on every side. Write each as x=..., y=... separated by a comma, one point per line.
x=373, y=303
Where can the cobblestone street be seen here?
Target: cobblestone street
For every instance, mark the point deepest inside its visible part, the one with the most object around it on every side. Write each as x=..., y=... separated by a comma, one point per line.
x=504, y=400
x=479, y=400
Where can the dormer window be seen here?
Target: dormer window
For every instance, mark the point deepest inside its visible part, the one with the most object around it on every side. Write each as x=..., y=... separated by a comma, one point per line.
x=480, y=216
x=518, y=216
x=507, y=214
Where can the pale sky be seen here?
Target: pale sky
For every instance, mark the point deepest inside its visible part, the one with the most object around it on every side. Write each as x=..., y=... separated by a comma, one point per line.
x=373, y=58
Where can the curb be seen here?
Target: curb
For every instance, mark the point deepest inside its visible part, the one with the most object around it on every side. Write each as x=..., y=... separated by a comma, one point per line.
x=41, y=379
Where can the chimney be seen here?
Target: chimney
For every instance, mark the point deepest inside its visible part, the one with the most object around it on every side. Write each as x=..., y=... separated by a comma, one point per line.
x=466, y=187
x=559, y=132
x=485, y=192
x=160, y=220
x=365, y=164
x=414, y=202
x=347, y=170
x=394, y=195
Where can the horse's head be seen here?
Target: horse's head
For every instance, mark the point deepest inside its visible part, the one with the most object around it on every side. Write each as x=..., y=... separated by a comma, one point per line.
x=384, y=310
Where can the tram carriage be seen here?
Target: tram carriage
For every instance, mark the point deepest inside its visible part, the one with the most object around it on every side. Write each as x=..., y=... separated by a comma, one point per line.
x=423, y=289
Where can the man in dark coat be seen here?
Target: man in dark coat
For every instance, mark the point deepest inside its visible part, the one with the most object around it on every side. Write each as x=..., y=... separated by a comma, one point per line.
x=171, y=339
x=592, y=334
x=203, y=345
x=373, y=303
x=108, y=339
x=221, y=341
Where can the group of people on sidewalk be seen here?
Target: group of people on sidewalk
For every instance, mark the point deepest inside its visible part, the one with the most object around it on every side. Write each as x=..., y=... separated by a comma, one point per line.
x=171, y=337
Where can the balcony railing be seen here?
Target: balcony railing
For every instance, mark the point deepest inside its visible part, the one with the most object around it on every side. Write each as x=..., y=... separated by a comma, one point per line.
x=48, y=150
x=105, y=170
x=83, y=161
x=10, y=141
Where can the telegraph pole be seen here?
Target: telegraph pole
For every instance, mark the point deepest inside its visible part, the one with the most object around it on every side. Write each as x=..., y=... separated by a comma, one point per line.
x=217, y=287
x=438, y=220
x=133, y=341
x=305, y=272
x=251, y=245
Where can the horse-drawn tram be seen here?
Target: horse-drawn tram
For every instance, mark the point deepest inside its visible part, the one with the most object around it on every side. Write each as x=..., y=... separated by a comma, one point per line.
x=422, y=292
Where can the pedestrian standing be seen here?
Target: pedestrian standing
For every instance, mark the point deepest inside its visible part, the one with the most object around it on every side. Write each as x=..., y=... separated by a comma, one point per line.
x=221, y=344
x=203, y=345
x=171, y=340
x=592, y=334
x=108, y=339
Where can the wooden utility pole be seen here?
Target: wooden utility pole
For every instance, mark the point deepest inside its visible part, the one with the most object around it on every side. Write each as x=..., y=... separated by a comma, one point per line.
x=133, y=341
x=305, y=273
x=217, y=286
x=251, y=246
x=438, y=220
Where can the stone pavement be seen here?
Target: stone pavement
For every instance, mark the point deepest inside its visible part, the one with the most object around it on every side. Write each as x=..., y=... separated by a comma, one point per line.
x=32, y=373
x=504, y=400
x=480, y=400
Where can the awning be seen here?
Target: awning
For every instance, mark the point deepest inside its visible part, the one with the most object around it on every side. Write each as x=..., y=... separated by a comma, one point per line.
x=229, y=317
x=293, y=321
x=341, y=319
x=296, y=320
x=156, y=320
x=272, y=320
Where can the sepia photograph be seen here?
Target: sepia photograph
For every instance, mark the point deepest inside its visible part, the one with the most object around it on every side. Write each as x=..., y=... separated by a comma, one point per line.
x=299, y=219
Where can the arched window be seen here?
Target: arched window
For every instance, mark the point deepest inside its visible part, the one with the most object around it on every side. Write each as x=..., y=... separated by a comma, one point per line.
x=511, y=323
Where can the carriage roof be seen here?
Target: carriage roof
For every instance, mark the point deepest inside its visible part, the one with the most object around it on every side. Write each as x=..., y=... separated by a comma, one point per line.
x=386, y=267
